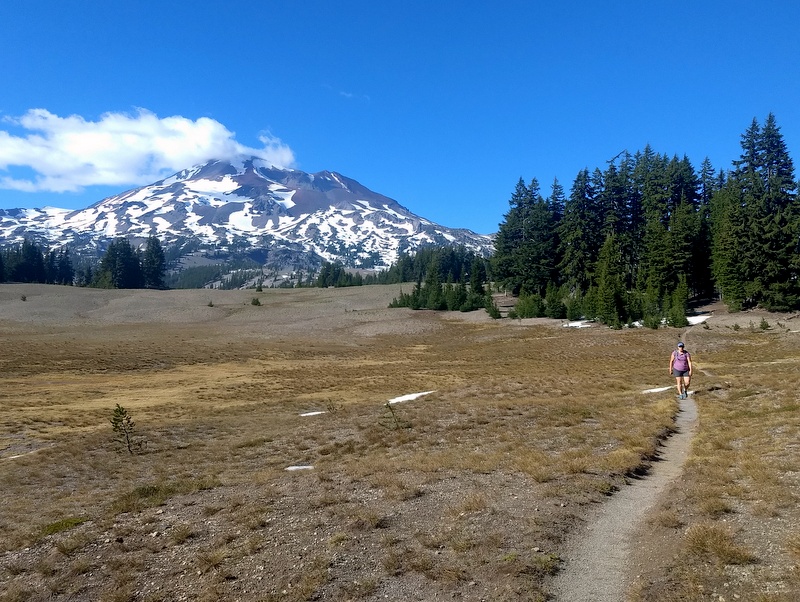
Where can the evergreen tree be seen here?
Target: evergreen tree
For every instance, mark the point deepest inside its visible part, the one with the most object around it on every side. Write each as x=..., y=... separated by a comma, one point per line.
x=509, y=239
x=611, y=308
x=756, y=224
x=477, y=276
x=537, y=257
x=65, y=271
x=153, y=264
x=728, y=234
x=26, y=263
x=777, y=220
x=701, y=262
x=120, y=267
x=678, y=307
x=578, y=234
x=654, y=261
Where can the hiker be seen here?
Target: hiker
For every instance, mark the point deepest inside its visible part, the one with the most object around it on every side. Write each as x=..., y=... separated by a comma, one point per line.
x=680, y=365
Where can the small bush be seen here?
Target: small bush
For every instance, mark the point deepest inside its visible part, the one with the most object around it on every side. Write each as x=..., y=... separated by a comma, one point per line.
x=255, y=301
x=713, y=542
x=529, y=306
x=65, y=524
x=652, y=321
x=181, y=533
x=491, y=308
x=764, y=325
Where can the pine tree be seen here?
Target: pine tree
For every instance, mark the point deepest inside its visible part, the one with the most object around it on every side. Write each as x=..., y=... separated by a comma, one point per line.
x=26, y=263
x=701, y=256
x=611, y=308
x=777, y=218
x=120, y=267
x=153, y=264
x=578, y=233
x=65, y=271
x=756, y=224
x=525, y=251
x=509, y=238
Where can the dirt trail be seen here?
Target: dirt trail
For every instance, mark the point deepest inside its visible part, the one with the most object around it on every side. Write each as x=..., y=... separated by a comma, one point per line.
x=598, y=560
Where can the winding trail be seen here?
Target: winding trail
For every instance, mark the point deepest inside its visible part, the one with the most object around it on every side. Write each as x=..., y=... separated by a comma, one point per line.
x=597, y=560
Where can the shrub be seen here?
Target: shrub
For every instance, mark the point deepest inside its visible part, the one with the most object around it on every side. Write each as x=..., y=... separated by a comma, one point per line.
x=714, y=542
x=529, y=306
x=491, y=308
x=652, y=321
x=62, y=525
x=255, y=301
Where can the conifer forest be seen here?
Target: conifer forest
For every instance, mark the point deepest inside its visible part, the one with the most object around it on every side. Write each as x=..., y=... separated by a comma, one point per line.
x=641, y=238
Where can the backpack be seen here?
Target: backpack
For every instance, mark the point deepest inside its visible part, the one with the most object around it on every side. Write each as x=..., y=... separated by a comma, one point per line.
x=681, y=362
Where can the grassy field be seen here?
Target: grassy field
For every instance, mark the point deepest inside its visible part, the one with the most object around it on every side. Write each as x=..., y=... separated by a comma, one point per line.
x=467, y=492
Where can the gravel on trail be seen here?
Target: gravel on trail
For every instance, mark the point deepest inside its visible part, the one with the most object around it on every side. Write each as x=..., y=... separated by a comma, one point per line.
x=598, y=561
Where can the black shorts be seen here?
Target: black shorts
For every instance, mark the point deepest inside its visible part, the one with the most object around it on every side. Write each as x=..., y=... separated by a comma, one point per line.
x=680, y=372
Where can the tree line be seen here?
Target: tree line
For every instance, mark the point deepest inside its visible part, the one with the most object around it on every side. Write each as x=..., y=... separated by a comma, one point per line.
x=447, y=278
x=639, y=239
x=27, y=262
x=121, y=266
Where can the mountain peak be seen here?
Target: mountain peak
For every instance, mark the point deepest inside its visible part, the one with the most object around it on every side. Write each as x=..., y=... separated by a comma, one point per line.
x=311, y=217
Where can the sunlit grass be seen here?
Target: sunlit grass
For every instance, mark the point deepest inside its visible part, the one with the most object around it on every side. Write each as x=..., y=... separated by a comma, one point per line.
x=525, y=426
x=740, y=485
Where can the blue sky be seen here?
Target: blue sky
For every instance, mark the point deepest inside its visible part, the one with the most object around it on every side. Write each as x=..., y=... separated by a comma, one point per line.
x=442, y=106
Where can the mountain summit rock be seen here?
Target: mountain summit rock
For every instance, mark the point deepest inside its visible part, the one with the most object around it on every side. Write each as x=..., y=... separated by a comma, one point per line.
x=248, y=204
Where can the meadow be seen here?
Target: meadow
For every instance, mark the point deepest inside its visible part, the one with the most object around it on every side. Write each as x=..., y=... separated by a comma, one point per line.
x=468, y=492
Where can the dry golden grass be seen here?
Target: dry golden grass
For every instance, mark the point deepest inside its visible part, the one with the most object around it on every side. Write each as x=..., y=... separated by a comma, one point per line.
x=739, y=493
x=527, y=424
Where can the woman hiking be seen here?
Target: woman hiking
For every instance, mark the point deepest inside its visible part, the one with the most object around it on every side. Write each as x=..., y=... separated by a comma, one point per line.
x=680, y=365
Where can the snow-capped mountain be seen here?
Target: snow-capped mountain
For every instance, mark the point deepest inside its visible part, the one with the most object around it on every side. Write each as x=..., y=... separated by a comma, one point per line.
x=248, y=204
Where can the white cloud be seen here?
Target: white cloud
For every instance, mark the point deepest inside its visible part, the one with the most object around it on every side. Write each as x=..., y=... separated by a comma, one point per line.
x=66, y=154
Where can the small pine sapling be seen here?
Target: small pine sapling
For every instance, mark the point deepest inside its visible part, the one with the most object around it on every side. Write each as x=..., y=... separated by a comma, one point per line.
x=392, y=421
x=123, y=426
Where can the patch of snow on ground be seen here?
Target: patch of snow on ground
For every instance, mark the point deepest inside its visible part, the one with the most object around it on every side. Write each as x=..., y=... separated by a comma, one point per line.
x=409, y=397
x=657, y=390
x=578, y=324
x=698, y=319
x=313, y=413
x=293, y=468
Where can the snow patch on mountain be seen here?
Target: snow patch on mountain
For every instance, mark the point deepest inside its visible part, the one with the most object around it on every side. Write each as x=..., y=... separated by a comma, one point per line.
x=324, y=215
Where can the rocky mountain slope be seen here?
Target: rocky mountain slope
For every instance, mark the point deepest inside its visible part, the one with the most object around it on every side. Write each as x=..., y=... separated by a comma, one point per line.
x=248, y=205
